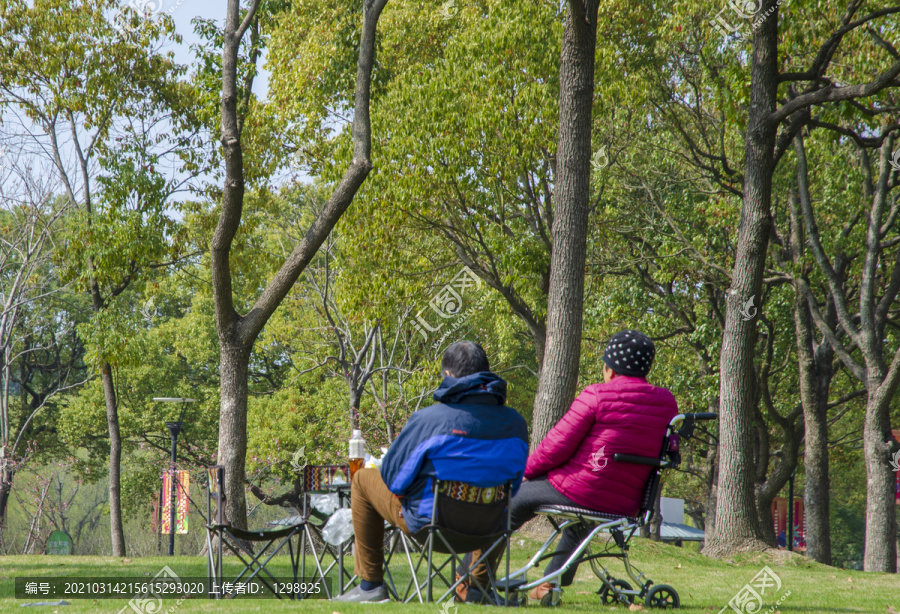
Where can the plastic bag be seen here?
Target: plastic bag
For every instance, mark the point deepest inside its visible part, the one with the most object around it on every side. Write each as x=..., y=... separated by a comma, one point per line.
x=339, y=527
x=326, y=504
x=374, y=462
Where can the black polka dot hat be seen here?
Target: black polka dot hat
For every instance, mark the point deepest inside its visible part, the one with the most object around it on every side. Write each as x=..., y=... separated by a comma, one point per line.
x=630, y=352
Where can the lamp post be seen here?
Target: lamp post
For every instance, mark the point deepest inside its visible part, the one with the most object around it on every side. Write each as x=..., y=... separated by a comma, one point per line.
x=174, y=428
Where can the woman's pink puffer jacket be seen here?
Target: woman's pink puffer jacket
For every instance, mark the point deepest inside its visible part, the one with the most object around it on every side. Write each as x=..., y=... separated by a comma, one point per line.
x=626, y=416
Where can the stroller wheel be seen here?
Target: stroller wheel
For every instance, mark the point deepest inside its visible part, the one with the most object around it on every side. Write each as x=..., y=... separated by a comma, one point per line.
x=552, y=599
x=663, y=597
x=608, y=597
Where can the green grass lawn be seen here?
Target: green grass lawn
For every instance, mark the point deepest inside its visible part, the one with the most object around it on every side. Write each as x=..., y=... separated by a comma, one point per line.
x=704, y=585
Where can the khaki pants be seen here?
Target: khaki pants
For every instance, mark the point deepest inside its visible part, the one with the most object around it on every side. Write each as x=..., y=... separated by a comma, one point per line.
x=480, y=572
x=372, y=503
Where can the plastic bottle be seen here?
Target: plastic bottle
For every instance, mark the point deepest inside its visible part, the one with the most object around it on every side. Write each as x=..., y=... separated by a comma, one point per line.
x=357, y=452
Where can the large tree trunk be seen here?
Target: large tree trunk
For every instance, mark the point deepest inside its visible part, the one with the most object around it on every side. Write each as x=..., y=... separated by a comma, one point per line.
x=117, y=533
x=817, y=495
x=815, y=378
x=881, y=511
x=562, y=352
x=737, y=526
x=233, y=428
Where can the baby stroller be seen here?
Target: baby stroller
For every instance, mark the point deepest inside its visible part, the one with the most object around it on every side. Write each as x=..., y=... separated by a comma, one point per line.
x=620, y=528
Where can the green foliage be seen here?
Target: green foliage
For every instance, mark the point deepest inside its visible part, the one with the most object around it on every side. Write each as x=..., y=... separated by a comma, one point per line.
x=313, y=416
x=464, y=110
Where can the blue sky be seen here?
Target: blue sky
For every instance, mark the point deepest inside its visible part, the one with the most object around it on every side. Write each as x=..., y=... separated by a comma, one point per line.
x=182, y=11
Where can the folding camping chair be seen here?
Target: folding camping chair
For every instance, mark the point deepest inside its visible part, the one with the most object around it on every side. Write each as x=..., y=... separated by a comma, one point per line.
x=237, y=540
x=327, y=559
x=464, y=518
x=621, y=529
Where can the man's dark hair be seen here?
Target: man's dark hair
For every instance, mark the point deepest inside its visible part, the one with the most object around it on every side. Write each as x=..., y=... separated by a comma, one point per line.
x=465, y=358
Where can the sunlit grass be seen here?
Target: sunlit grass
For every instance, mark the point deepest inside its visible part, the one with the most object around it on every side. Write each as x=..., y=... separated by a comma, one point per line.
x=704, y=585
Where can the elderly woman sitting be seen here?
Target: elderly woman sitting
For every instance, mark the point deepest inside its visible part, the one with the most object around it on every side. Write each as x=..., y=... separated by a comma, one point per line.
x=573, y=464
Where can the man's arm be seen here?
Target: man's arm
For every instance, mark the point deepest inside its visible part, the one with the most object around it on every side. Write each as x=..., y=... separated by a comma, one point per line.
x=563, y=439
x=403, y=460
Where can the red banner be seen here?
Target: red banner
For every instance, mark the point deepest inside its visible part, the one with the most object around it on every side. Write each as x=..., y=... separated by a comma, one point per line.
x=780, y=518
x=181, y=502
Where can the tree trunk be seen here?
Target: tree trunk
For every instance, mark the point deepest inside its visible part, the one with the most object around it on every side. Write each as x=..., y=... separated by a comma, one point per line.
x=233, y=428
x=539, y=342
x=656, y=523
x=237, y=333
x=117, y=533
x=815, y=377
x=768, y=490
x=737, y=526
x=881, y=512
x=770, y=481
x=355, y=398
x=6, y=470
x=6, y=478
x=712, y=492
x=817, y=495
x=562, y=352
x=869, y=338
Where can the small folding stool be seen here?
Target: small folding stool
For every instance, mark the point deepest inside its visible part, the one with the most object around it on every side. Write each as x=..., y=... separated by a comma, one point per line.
x=224, y=535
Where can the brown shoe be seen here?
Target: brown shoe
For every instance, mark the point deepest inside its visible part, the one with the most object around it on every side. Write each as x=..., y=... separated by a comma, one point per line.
x=538, y=592
x=462, y=589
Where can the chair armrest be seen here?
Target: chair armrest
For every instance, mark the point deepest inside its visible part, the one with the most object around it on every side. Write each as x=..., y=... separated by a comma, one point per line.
x=640, y=460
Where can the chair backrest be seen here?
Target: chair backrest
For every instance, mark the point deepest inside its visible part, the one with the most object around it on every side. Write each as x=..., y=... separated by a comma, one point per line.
x=651, y=493
x=469, y=510
x=670, y=454
x=680, y=427
x=317, y=478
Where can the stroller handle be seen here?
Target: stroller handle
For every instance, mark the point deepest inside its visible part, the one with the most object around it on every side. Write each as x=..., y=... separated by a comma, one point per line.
x=683, y=424
x=704, y=416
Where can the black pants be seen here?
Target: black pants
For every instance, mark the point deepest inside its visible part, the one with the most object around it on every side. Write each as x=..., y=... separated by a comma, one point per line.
x=531, y=495
x=535, y=493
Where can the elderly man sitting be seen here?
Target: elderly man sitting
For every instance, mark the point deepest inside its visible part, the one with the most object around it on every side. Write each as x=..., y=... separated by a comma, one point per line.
x=468, y=435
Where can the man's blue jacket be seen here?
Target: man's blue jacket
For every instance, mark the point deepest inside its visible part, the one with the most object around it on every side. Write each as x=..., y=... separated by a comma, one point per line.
x=469, y=436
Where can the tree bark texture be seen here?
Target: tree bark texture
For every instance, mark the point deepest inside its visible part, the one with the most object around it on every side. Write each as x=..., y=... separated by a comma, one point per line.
x=737, y=527
x=117, y=531
x=881, y=512
x=815, y=380
x=865, y=330
x=712, y=462
x=815, y=373
x=6, y=479
x=233, y=428
x=562, y=350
